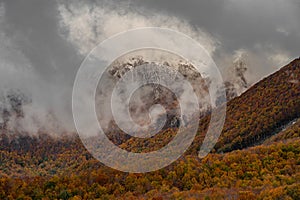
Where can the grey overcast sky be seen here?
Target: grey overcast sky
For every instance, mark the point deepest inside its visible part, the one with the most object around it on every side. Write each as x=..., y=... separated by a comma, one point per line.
x=50, y=33
x=43, y=42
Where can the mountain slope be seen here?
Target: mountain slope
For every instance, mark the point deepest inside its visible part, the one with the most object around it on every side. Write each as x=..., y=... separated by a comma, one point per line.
x=265, y=107
x=251, y=118
x=42, y=167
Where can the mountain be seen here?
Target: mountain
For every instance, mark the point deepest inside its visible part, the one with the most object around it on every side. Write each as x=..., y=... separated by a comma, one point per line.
x=257, y=156
x=251, y=118
x=156, y=94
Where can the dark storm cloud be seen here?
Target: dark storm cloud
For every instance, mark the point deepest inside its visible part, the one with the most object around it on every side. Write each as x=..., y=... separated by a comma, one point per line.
x=240, y=23
x=237, y=24
x=34, y=26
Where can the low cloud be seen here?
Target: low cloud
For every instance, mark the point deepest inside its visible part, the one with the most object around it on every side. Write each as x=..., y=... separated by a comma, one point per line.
x=86, y=25
x=42, y=44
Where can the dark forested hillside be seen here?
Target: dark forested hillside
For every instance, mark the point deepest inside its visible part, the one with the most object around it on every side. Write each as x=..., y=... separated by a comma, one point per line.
x=265, y=117
x=263, y=109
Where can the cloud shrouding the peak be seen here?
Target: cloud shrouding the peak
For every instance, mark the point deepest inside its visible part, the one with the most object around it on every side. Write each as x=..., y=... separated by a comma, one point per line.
x=86, y=25
x=42, y=43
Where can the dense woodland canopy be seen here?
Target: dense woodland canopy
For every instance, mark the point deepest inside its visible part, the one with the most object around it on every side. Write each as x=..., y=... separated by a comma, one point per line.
x=256, y=157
